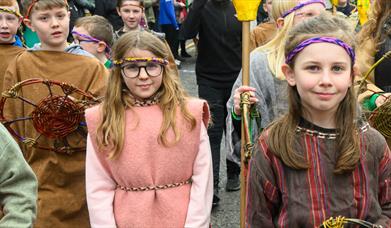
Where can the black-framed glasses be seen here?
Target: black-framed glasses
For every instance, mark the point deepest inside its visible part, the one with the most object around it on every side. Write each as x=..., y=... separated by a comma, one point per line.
x=132, y=70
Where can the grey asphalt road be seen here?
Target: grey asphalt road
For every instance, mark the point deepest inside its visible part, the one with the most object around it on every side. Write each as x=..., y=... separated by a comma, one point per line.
x=227, y=213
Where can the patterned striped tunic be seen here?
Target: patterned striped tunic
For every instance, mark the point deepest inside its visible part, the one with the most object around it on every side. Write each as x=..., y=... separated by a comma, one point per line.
x=279, y=196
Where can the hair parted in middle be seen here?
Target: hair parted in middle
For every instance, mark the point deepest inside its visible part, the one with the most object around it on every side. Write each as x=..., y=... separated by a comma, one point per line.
x=110, y=132
x=324, y=25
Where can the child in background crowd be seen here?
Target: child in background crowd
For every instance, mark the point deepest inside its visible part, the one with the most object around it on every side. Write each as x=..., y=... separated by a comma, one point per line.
x=10, y=43
x=95, y=35
x=131, y=12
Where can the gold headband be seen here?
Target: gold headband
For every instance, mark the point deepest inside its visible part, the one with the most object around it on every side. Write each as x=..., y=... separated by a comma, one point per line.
x=4, y=10
x=137, y=60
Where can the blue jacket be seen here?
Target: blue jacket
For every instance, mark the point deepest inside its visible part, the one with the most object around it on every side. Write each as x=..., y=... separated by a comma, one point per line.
x=18, y=41
x=167, y=13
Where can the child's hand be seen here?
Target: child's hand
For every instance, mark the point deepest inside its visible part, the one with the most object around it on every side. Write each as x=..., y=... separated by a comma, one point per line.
x=380, y=100
x=237, y=94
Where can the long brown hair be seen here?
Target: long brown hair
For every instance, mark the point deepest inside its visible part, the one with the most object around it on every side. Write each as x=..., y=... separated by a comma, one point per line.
x=111, y=130
x=372, y=35
x=347, y=140
x=373, y=29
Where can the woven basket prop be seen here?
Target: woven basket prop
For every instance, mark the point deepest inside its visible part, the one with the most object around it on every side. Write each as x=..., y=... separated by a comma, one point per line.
x=55, y=117
x=340, y=222
x=380, y=118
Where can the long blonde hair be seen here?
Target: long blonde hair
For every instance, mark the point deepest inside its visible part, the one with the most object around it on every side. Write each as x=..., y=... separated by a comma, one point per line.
x=348, y=139
x=275, y=47
x=111, y=130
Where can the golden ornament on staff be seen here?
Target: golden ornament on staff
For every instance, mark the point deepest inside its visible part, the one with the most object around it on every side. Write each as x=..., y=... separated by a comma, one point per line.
x=246, y=11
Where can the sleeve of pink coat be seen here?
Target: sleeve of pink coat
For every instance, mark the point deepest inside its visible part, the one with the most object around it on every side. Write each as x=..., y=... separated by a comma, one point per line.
x=201, y=193
x=100, y=191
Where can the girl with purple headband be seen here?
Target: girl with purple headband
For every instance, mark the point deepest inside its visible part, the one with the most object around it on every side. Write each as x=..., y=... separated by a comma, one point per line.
x=319, y=160
x=267, y=82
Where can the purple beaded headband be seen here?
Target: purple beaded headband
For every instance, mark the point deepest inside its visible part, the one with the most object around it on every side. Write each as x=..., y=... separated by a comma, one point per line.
x=301, y=5
x=160, y=61
x=92, y=39
x=332, y=40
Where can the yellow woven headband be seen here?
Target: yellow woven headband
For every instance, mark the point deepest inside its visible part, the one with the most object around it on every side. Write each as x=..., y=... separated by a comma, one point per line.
x=5, y=10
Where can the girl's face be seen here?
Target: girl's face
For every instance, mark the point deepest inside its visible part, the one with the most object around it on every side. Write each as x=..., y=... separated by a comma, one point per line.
x=322, y=75
x=131, y=14
x=308, y=11
x=142, y=86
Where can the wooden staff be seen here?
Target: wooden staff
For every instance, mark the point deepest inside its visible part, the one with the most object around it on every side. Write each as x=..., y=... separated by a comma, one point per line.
x=246, y=11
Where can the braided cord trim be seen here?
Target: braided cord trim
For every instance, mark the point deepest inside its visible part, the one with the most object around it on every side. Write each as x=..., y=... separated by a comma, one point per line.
x=153, y=188
x=331, y=40
x=322, y=135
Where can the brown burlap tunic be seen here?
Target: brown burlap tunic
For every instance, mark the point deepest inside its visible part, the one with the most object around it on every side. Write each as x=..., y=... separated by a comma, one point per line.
x=61, y=177
x=7, y=55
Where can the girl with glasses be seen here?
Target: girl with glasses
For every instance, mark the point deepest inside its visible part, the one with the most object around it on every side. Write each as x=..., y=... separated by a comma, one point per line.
x=148, y=154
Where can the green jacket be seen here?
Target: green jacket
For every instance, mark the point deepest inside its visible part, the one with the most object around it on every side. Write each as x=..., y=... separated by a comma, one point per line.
x=18, y=185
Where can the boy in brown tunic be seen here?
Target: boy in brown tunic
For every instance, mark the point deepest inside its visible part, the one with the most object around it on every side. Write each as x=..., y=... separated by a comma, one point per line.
x=61, y=176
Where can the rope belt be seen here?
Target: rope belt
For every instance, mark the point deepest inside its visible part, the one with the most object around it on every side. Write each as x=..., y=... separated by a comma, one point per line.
x=157, y=187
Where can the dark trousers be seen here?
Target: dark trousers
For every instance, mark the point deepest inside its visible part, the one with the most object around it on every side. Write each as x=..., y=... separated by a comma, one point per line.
x=217, y=99
x=172, y=38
